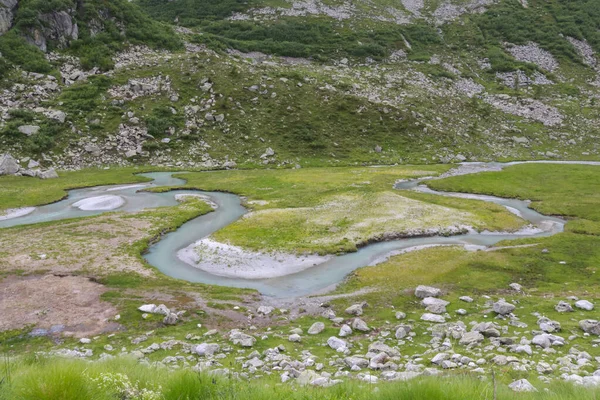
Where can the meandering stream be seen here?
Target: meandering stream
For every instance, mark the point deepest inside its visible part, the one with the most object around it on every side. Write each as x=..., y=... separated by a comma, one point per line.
x=163, y=255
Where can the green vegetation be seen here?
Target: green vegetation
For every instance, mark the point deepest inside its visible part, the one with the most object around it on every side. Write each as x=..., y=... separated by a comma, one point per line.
x=569, y=190
x=104, y=29
x=335, y=210
x=17, y=191
x=51, y=379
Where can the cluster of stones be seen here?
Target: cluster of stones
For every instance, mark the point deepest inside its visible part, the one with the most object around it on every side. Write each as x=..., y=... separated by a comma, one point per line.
x=473, y=347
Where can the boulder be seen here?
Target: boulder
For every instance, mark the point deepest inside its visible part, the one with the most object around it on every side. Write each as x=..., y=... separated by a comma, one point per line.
x=471, y=338
x=316, y=328
x=549, y=326
x=503, y=308
x=241, y=339
x=354, y=361
x=590, y=326
x=28, y=130
x=8, y=165
x=563, y=306
x=584, y=305
x=49, y=174
x=379, y=347
x=171, y=319
x=57, y=115
x=427, y=291
x=345, y=330
x=295, y=338
x=207, y=349
x=355, y=309
x=402, y=331
x=360, y=325
x=433, y=318
x=522, y=385
x=337, y=343
x=433, y=305
x=265, y=310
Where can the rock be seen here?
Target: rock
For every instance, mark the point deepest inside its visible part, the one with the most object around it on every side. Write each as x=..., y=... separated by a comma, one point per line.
x=130, y=153
x=439, y=358
x=360, y=325
x=241, y=339
x=354, y=361
x=33, y=164
x=545, y=340
x=466, y=299
x=433, y=305
x=379, y=347
x=400, y=315
x=522, y=385
x=503, y=308
x=516, y=287
x=355, y=309
x=8, y=9
x=28, y=129
x=49, y=174
x=402, y=331
x=85, y=341
x=268, y=153
x=57, y=115
x=563, y=306
x=307, y=377
x=590, y=326
x=265, y=310
x=295, y=338
x=584, y=305
x=433, y=318
x=147, y=308
x=471, y=338
x=548, y=325
x=171, y=319
x=207, y=349
x=337, y=343
x=345, y=330
x=316, y=328
x=8, y=165
x=427, y=291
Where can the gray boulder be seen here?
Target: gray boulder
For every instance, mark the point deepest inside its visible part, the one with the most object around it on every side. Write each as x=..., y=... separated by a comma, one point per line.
x=360, y=325
x=49, y=174
x=316, y=328
x=503, y=308
x=471, y=338
x=563, y=306
x=522, y=385
x=8, y=9
x=8, y=165
x=207, y=349
x=590, y=326
x=584, y=305
x=28, y=130
x=427, y=291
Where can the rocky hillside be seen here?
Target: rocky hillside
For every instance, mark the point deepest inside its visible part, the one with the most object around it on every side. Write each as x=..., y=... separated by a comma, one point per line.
x=199, y=83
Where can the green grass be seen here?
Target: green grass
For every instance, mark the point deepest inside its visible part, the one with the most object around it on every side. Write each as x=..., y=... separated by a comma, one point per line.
x=16, y=191
x=51, y=379
x=337, y=209
x=569, y=190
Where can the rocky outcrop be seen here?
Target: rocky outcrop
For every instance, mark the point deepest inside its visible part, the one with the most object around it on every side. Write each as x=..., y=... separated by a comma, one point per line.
x=57, y=27
x=7, y=14
x=10, y=166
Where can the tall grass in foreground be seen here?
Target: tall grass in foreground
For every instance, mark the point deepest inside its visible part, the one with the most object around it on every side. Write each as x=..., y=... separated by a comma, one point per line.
x=125, y=379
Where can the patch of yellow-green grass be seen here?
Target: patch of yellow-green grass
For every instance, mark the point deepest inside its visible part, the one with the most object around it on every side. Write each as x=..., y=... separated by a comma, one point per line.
x=19, y=191
x=341, y=222
x=569, y=266
x=337, y=209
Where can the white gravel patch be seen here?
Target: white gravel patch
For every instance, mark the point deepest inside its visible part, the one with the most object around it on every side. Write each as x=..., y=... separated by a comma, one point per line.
x=16, y=213
x=234, y=262
x=100, y=203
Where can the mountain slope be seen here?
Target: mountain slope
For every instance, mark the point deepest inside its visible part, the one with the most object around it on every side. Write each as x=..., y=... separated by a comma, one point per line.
x=284, y=83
